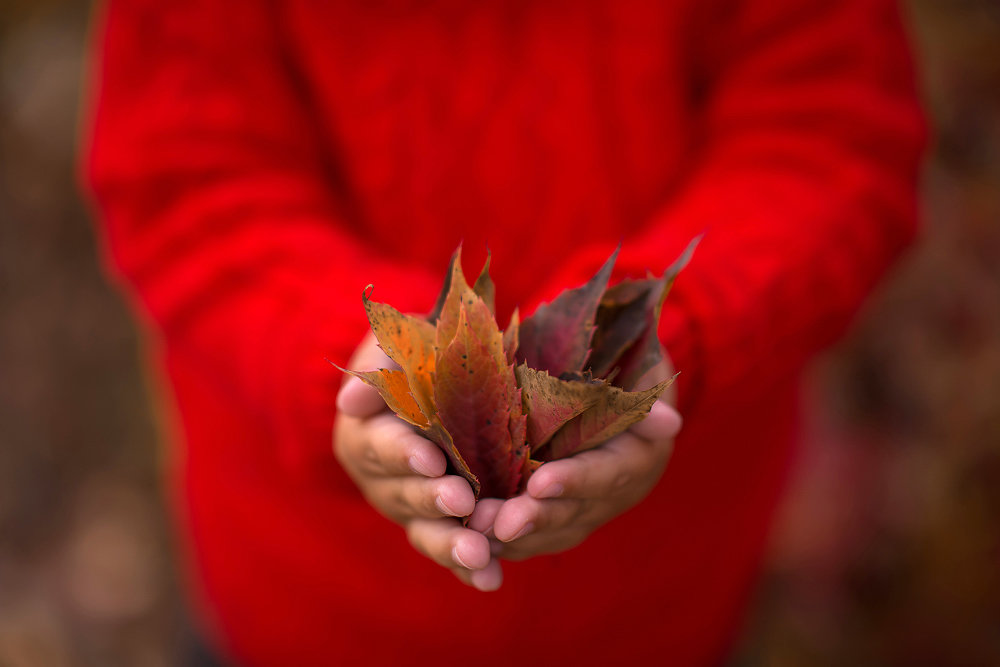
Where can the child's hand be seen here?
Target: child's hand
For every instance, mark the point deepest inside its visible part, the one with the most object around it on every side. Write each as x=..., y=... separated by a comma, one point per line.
x=568, y=499
x=402, y=475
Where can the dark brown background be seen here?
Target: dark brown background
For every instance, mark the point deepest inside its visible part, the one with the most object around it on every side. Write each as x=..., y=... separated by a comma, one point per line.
x=887, y=552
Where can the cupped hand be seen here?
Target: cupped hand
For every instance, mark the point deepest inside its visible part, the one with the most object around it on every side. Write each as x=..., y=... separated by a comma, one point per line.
x=402, y=475
x=566, y=500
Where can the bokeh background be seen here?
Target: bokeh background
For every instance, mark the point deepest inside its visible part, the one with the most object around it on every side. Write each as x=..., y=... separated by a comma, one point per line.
x=887, y=551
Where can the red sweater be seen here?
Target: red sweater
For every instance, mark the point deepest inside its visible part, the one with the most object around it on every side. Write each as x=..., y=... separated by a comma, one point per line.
x=255, y=164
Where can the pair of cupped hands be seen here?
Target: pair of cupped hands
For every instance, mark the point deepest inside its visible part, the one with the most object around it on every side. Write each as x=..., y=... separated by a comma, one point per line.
x=402, y=475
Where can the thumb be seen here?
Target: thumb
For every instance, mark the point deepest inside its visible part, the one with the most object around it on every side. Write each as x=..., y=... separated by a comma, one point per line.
x=662, y=423
x=355, y=397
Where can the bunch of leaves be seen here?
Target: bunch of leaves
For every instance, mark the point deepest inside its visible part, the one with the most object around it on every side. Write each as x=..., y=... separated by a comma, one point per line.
x=500, y=403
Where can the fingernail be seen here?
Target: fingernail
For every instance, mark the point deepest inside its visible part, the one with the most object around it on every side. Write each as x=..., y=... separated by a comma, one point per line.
x=440, y=504
x=527, y=528
x=551, y=491
x=458, y=559
x=420, y=466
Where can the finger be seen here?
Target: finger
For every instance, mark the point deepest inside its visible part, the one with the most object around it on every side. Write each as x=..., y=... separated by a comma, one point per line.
x=487, y=579
x=409, y=497
x=369, y=356
x=392, y=448
x=448, y=544
x=547, y=542
x=655, y=376
x=484, y=514
x=523, y=515
x=662, y=423
x=625, y=463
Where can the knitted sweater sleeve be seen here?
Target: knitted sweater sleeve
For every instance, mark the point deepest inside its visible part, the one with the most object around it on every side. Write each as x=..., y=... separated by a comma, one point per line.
x=803, y=180
x=221, y=214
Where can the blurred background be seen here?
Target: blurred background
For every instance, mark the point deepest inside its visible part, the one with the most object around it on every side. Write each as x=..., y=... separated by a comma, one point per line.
x=887, y=551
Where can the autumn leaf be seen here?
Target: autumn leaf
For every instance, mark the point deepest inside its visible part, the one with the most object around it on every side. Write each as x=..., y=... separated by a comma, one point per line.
x=550, y=402
x=510, y=336
x=614, y=412
x=497, y=422
x=556, y=338
x=394, y=389
x=626, y=343
x=476, y=397
x=457, y=293
x=621, y=321
x=485, y=288
x=438, y=434
x=409, y=341
x=456, y=261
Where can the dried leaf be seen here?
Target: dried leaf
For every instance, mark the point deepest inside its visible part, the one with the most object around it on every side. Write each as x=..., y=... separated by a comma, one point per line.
x=556, y=338
x=437, y=433
x=510, y=336
x=484, y=287
x=394, y=389
x=496, y=424
x=456, y=257
x=622, y=319
x=550, y=402
x=647, y=350
x=616, y=410
x=476, y=397
x=409, y=341
x=458, y=292
x=626, y=343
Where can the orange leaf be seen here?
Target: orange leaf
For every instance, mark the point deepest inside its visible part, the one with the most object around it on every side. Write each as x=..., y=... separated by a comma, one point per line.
x=614, y=412
x=394, y=389
x=550, y=402
x=479, y=403
x=409, y=341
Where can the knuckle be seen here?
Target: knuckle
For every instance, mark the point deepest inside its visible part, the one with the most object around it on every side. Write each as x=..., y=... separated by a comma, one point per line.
x=426, y=499
x=414, y=538
x=396, y=502
x=621, y=481
x=370, y=454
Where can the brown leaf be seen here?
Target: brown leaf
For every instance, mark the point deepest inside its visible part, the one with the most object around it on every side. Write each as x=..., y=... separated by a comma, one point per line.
x=409, y=341
x=647, y=351
x=556, y=337
x=484, y=287
x=627, y=322
x=394, y=389
x=510, y=336
x=437, y=433
x=458, y=292
x=477, y=398
x=616, y=410
x=435, y=313
x=626, y=314
x=550, y=402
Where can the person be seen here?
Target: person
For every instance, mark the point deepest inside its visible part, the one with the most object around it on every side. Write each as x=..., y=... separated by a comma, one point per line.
x=254, y=165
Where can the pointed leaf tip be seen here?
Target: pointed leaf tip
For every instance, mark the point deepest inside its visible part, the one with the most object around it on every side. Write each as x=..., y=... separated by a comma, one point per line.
x=484, y=285
x=557, y=336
